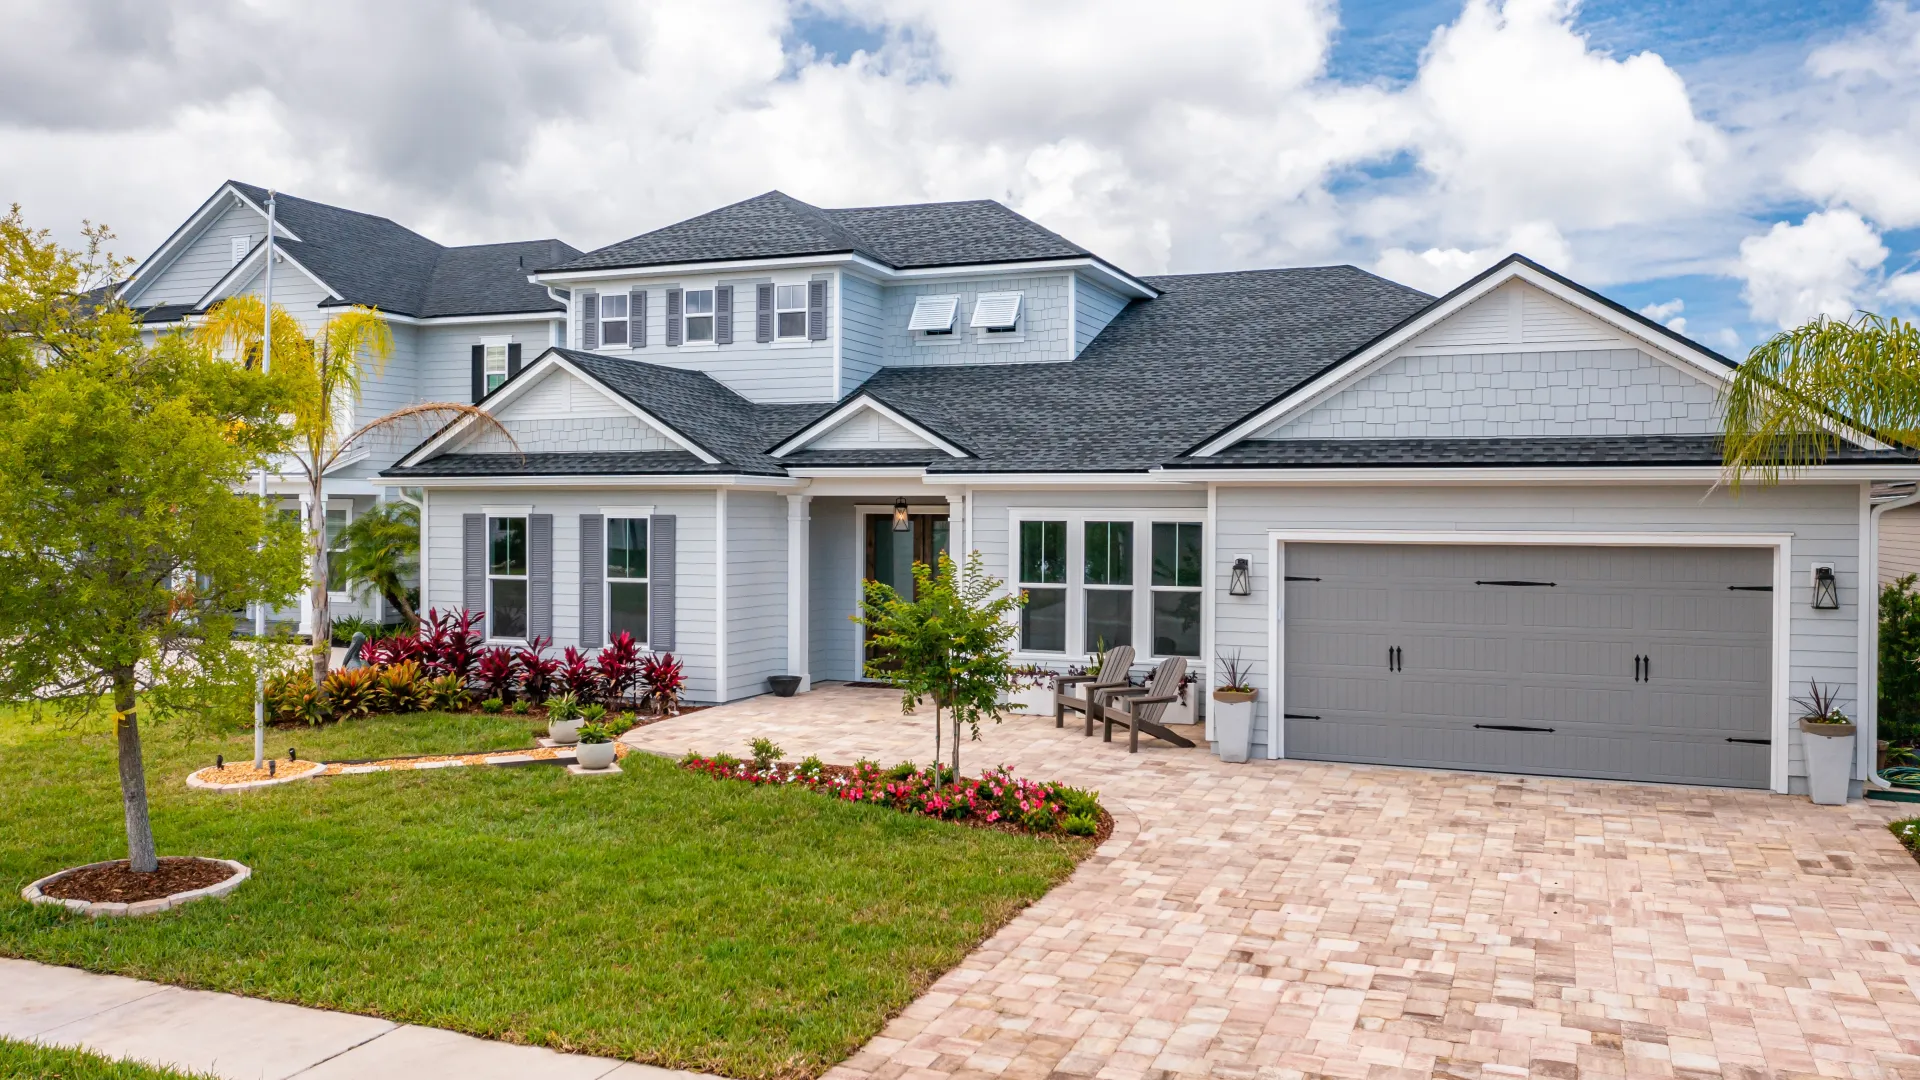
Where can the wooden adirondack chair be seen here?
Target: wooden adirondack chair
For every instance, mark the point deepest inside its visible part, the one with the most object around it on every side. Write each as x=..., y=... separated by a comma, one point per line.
x=1138, y=708
x=1112, y=673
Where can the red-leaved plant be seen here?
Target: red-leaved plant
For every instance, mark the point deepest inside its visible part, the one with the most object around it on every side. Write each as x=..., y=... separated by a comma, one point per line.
x=537, y=670
x=665, y=678
x=619, y=666
x=496, y=671
x=578, y=676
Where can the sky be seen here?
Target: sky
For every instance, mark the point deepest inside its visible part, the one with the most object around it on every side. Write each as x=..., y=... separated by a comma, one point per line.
x=1729, y=168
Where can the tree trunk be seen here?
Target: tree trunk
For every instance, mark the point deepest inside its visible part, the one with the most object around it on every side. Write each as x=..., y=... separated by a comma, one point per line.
x=938, y=723
x=399, y=600
x=317, y=591
x=956, y=749
x=133, y=776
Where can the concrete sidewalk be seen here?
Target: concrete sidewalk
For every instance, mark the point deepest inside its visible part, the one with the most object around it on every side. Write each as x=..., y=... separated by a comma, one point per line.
x=245, y=1039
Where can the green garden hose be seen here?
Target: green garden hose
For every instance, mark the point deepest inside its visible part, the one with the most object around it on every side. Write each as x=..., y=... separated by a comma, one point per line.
x=1902, y=775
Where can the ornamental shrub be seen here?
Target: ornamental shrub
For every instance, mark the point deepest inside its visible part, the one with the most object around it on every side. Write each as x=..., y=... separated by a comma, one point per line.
x=492, y=705
x=447, y=692
x=811, y=767
x=903, y=771
x=1080, y=825
x=765, y=753
x=521, y=707
x=1900, y=662
x=402, y=688
x=665, y=678
x=496, y=671
x=563, y=707
x=537, y=670
x=351, y=693
x=619, y=665
x=578, y=675
x=1038, y=819
x=291, y=696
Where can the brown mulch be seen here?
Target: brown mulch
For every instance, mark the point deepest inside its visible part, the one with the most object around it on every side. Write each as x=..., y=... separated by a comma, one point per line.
x=117, y=883
x=243, y=772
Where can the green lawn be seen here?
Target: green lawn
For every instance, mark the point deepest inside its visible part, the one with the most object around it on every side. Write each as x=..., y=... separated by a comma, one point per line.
x=658, y=915
x=22, y=1060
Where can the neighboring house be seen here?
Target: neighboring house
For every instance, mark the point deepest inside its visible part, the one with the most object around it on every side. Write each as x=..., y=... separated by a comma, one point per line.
x=1899, y=536
x=464, y=319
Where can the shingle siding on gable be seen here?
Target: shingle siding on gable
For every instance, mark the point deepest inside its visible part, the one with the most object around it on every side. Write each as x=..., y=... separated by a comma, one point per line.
x=1489, y=395
x=547, y=435
x=1094, y=307
x=188, y=277
x=1042, y=333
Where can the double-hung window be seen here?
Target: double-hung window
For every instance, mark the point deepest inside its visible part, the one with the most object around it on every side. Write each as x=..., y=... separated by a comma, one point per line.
x=507, y=577
x=1176, y=588
x=699, y=315
x=613, y=319
x=790, y=311
x=339, y=513
x=1043, y=577
x=627, y=577
x=494, y=364
x=1109, y=584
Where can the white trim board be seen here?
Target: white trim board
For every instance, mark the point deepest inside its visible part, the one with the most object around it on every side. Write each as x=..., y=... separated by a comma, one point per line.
x=1122, y=281
x=1781, y=543
x=860, y=403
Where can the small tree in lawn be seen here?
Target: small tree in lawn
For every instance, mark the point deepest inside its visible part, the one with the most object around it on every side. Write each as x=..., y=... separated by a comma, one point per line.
x=380, y=550
x=127, y=539
x=949, y=644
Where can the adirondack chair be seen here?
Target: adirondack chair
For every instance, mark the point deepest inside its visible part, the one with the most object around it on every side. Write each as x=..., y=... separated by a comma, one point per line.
x=1138, y=708
x=1112, y=673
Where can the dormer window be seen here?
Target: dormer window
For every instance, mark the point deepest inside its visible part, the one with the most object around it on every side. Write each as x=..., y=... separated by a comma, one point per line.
x=933, y=315
x=699, y=315
x=997, y=313
x=790, y=311
x=613, y=319
x=239, y=247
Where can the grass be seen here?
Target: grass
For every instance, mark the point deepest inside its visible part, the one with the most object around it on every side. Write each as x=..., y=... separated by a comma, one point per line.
x=1907, y=831
x=658, y=915
x=21, y=1060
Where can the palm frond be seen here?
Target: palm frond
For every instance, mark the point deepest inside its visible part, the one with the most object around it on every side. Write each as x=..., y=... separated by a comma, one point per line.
x=429, y=417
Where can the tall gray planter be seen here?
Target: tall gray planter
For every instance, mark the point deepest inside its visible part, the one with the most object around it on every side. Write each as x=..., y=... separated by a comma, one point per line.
x=1829, y=752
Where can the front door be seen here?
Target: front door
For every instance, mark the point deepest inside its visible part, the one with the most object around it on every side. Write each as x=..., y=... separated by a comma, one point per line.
x=890, y=554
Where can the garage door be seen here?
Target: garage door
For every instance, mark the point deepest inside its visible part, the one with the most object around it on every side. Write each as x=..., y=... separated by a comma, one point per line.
x=1623, y=663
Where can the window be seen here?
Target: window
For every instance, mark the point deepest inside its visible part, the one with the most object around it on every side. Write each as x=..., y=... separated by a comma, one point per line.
x=627, y=577
x=1109, y=582
x=494, y=358
x=613, y=319
x=790, y=311
x=507, y=577
x=1043, y=563
x=1176, y=588
x=933, y=315
x=239, y=247
x=699, y=314
x=997, y=313
x=338, y=514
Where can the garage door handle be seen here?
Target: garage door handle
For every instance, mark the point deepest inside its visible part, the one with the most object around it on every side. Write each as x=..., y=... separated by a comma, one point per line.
x=1750, y=588
x=1297, y=716
x=1511, y=727
x=1753, y=742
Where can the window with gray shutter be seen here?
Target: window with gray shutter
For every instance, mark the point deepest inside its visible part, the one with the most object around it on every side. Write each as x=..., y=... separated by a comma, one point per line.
x=593, y=565
x=540, y=576
x=817, y=310
x=673, y=316
x=637, y=318
x=661, y=575
x=589, y=321
x=473, y=562
x=723, y=315
x=763, y=312
x=479, y=372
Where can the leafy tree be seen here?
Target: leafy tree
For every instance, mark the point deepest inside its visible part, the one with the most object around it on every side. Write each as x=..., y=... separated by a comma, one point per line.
x=949, y=644
x=380, y=550
x=127, y=541
x=1900, y=662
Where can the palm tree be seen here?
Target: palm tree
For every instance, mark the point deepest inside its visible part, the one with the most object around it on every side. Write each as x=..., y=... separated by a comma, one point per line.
x=1798, y=391
x=380, y=551
x=322, y=376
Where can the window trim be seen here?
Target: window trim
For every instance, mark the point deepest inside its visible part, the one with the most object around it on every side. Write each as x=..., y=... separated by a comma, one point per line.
x=526, y=526
x=713, y=319
x=801, y=311
x=601, y=316
x=607, y=580
x=336, y=590
x=1199, y=589
x=1143, y=520
x=487, y=345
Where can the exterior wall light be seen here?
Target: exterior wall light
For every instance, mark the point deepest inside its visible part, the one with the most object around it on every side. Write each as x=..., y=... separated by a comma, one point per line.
x=1241, y=581
x=900, y=522
x=1826, y=589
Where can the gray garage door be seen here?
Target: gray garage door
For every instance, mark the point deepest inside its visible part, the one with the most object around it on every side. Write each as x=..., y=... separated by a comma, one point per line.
x=1624, y=663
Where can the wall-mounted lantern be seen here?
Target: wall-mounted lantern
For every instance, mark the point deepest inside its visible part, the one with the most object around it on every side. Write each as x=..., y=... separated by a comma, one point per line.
x=1240, y=583
x=1826, y=589
x=900, y=521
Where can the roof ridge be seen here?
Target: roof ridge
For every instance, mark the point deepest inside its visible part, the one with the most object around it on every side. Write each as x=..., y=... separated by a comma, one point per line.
x=252, y=189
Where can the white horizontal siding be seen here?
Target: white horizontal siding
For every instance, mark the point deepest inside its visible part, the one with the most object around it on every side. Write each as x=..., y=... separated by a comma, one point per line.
x=1899, y=543
x=862, y=331
x=756, y=592
x=445, y=364
x=1094, y=307
x=206, y=260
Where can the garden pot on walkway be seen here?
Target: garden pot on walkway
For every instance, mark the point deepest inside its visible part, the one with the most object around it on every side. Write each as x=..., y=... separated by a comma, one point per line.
x=564, y=732
x=1031, y=701
x=783, y=685
x=1233, y=723
x=594, y=755
x=1829, y=753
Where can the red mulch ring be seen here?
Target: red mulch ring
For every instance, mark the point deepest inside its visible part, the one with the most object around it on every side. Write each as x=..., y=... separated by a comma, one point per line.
x=117, y=883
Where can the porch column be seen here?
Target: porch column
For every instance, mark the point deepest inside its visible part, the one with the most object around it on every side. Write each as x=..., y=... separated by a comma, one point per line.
x=957, y=532
x=799, y=568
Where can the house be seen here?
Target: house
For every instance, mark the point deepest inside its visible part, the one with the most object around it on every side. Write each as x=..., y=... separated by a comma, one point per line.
x=463, y=318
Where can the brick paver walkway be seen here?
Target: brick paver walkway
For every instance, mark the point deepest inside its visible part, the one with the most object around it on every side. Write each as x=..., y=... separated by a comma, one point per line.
x=1288, y=919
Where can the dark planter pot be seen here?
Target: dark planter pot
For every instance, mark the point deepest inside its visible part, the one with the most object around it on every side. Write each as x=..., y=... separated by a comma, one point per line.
x=783, y=685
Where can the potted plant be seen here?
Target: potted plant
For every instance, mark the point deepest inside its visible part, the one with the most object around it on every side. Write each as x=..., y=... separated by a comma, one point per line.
x=595, y=749
x=1186, y=709
x=563, y=719
x=1826, y=738
x=1032, y=691
x=1233, y=710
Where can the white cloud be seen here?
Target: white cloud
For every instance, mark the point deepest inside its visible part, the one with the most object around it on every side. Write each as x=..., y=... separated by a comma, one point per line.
x=1903, y=289
x=1668, y=314
x=1437, y=270
x=1818, y=267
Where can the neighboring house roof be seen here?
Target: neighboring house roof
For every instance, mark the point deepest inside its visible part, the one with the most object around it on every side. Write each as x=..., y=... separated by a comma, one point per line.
x=777, y=225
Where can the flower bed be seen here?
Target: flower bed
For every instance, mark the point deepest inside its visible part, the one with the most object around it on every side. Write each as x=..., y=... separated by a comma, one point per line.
x=1908, y=833
x=996, y=800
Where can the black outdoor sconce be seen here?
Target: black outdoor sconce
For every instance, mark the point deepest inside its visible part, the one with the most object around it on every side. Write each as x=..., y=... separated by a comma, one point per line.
x=1826, y=589
x=900, y=522
x=1240, y=583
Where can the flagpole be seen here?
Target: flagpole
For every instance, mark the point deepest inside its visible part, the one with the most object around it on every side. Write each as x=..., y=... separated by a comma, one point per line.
x=260, y=608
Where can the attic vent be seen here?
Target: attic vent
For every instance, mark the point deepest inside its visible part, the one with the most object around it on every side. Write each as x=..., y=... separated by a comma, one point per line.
x=996, y=310
x=239, y=248
x=934, y=314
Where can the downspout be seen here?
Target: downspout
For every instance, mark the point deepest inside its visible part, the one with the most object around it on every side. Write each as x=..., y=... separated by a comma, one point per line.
x=1871, y=604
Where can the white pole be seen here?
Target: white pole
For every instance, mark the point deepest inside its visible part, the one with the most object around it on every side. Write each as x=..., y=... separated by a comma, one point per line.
x=260, y=609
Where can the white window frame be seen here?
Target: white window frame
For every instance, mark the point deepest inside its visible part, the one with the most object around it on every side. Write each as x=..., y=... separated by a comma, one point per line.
x=1143, y=521
x=1077, y=575
x=936, y=337
x=487, y=347
x=1199, y=590
x=779, y=309
x=600, y=313
x=687, y=315
x=526, y=522
x=336, y=589
x=1014, y=331
x=608, y=580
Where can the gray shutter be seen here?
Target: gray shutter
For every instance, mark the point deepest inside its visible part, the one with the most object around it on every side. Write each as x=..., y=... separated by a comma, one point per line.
x=763, y=313
x=479, y=372
x=473, y=562
x=723, y=315
x=637, y=318
x=816, y=310
x=660, y=578
x=540, y=576
x=673, y=316
x=589, y=321
x=593, y=567
x=513, y=359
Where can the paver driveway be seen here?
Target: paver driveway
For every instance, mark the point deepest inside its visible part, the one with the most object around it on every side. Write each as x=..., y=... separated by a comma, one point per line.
x=1284, y=919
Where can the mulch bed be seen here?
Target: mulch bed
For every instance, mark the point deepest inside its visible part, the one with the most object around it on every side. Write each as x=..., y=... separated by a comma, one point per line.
x=117, y=883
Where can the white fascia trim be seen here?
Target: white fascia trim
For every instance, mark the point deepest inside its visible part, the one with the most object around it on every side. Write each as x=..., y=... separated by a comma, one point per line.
x=1154, y=479
x=861, y=472
x=459, y=320
x=527, y=378
x=863, y=403
x=639, y=480
x=1123, y=281
x=181, y=237
x=234, y=277
x=1690, y=474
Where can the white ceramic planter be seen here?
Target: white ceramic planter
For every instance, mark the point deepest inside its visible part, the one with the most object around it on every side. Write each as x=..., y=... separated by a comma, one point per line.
x=1182, y=712
x=1829, y=752
x=564, y=732
x=593, y=755
x=1033, y=701
x=1232, y=725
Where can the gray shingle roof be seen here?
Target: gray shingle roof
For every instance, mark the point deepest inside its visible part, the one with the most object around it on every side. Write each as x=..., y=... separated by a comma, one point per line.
x=585, y=463
x=1544, y=451
x=777, y=225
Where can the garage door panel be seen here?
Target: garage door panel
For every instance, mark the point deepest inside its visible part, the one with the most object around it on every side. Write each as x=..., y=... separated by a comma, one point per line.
x=1740, y=664
x=1544, y=608
x=1573, y=656
x=1451, y=607
x=1347, y=695
x=1462, y=653
x=1709, y=612
x=1336, y=603
x=1561, y=704
x=1740, y=712
x=1451, y=697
